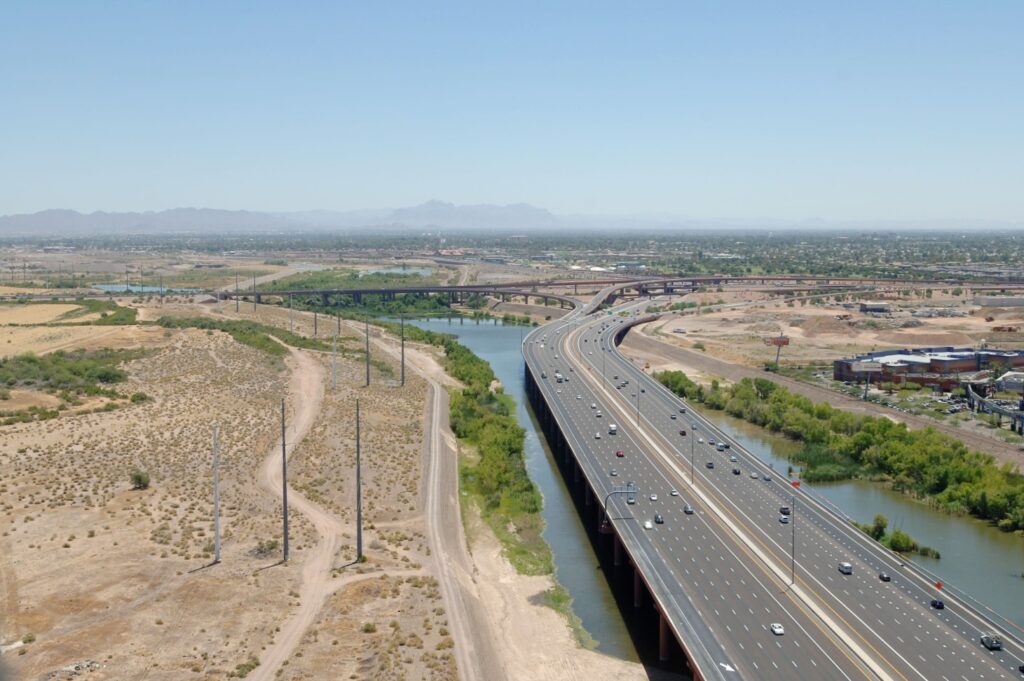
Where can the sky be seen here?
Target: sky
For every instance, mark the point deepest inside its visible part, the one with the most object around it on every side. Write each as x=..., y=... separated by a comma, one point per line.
x=700, y=109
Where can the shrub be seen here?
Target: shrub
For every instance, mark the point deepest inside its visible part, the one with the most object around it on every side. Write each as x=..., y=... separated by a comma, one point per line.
x=140, y=479
x=139, y=397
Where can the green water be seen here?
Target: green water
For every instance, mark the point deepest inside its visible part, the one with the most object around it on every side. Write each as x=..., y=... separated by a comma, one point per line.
x=576, y=565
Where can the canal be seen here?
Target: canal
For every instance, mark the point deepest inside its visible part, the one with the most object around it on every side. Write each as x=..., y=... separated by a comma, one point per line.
x=977, y=558
x=576, y=565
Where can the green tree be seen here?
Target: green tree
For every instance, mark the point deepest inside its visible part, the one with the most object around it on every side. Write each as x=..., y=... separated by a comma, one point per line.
x=140, y=479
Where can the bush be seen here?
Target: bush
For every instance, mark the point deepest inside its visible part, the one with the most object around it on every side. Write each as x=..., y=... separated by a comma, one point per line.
x=140, y=479
x=139, y=397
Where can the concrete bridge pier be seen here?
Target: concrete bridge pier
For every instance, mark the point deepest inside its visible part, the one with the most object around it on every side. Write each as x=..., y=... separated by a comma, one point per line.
x=638, y=589
x=616, y=551
x=665, y=640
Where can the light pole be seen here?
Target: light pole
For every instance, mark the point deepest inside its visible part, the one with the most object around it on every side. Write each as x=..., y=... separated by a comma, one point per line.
x=693, y=436
x=630, y=488
x=792, y=522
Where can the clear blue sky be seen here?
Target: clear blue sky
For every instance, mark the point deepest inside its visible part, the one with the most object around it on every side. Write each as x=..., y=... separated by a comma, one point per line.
x=791, y=110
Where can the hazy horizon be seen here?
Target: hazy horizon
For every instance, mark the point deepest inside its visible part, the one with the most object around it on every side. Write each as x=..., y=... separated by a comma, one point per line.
x=750, y=112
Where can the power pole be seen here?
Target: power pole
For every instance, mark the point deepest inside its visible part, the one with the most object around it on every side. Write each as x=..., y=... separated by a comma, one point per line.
x=359, y=493
x=402, y=370
x=314, y=324
x=291, y=325
x=284, y=482
x=334, y=363
x=216, y=496
x=236, y=292
x=254, y=294
x=337, y=332
x=366, y=321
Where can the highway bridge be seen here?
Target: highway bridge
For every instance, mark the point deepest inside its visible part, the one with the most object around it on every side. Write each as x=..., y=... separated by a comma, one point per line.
x=711, y=583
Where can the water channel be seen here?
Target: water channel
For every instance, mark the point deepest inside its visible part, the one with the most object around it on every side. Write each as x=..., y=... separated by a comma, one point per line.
x=977, y=558
x=575, y=561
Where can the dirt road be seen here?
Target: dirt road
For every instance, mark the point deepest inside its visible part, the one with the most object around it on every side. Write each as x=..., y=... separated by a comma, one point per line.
x=646, y=348
x=305, y=393
x=475, y=654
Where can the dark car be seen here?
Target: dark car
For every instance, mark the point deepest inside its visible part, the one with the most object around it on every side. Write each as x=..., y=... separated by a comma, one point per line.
x=620, y=453
x=991, y=642
x=735, y=471
x=682, y=432
x=937, y=604
x=884, y=576
x=784, y=510
x=658, y=519
x=710, y=464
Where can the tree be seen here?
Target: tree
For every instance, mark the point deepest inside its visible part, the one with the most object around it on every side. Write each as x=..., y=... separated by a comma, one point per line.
x=878, y=527
x=140, y=479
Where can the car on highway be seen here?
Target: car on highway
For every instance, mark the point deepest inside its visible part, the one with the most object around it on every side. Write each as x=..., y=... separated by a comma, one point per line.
x=597, y=436
x=593, y=405
x=598, y=414
x=710, y=464
x=711, y=441
x=700, y=440
x=648, y=525
x=784, y=510
x=766, y=478
x=784, y=519
x=777, y=629
x=619, y=453
x=658, y=519
x=991, y=642
x=846, y=568
x=682, y=431
x=579, y=397
x=884, y=576
x=654, y=497
x=753, y=475
x=938, y=604
x=733, y=458
x=688, y=510
x=614, y=473
x=674, y=492
x=682, y=410
x=735, y=471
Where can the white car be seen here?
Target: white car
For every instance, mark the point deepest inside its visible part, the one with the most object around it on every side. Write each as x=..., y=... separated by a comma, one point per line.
x=654, y=497
x=597, y=436
x=777, y=628
x=674, y=492
x=700, y=440
x=579, y=397
x=648, y=525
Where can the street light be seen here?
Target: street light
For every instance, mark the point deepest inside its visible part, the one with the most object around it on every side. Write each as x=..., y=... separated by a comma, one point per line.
x=792, y=522
x=693, y=436
x=630, y=488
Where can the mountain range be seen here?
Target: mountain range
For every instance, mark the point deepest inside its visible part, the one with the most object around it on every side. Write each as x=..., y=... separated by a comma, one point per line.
x=431, y=215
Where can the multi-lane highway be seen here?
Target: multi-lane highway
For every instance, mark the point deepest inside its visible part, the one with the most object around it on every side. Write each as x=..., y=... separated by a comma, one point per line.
x=722, y=574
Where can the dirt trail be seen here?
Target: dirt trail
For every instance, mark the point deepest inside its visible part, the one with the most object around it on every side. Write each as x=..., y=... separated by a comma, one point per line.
x=475, y=654
x=305, y=393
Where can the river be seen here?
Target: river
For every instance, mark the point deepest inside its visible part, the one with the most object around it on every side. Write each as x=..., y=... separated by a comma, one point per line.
x=977, y=558
x=574, y=558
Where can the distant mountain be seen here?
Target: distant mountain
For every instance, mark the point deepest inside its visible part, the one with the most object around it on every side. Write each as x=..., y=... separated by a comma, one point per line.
x=429, y=215
x=516, y=216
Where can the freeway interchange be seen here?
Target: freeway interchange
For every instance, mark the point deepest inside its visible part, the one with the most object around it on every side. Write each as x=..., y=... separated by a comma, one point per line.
x=723, y=575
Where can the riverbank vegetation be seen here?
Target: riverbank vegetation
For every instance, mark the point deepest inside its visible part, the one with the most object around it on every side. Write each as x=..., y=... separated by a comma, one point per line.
x=839, y=445
x=254, y=335
x=495, y=476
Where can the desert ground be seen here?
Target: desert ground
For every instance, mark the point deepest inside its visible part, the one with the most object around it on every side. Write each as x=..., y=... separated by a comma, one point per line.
x=101, y=579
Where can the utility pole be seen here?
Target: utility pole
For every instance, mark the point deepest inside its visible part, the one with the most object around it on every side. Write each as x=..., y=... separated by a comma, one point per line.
x=337, y=331
x=291, y=325
x=366, y=321
x=216, y=496
x=284, y=482
x=314, y=324
x=334, y=363
x=127, y=282
x=693, y=436
x=254, y=294
x=359, y=493
x=236, y=292
x=402, y=370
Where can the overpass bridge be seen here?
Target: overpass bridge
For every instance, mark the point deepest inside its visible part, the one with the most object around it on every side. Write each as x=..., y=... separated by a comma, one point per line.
x=707, y=585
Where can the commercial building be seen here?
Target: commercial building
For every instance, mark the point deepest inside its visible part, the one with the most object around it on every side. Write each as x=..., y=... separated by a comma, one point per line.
x=926, y=366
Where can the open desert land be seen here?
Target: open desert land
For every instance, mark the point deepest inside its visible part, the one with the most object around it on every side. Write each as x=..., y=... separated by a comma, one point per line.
x=119, y=582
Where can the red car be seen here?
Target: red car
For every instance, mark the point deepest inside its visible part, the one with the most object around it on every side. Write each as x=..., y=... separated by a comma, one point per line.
x=620, y=453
